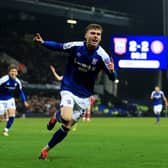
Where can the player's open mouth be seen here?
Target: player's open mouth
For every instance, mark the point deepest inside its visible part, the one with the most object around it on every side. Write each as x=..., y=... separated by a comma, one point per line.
x=94, y=41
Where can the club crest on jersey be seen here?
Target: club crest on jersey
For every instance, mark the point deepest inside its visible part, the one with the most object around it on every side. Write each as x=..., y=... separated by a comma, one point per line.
x=94, y=61
x=78, y=54
x=120, y=45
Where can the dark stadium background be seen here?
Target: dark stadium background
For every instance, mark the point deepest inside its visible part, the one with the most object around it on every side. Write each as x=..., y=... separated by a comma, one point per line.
x=18, y=25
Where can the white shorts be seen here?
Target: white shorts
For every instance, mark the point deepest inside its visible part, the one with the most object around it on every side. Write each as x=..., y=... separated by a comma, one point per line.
x=7, y=104
x=78, y=104
x=157, y=108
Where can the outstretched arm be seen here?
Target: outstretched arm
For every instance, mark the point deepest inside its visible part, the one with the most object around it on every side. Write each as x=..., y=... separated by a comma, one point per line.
x=165, y=100
x=49, y=44
x=58, y=77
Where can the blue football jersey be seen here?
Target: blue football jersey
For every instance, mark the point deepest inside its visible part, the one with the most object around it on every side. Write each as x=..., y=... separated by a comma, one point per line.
x=157, y=97
x=8, y=86
x=83, y=66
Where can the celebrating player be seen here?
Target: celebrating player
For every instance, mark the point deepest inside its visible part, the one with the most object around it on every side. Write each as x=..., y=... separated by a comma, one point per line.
x=85, y=61
x=157, y=97
x=8, y=84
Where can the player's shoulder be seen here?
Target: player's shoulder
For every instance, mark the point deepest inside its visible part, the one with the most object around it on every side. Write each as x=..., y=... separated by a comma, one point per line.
x=161, y=92
x=71, y=44
x=4, y=78
x=18, y=81
x=102, y=54
x=153, y=92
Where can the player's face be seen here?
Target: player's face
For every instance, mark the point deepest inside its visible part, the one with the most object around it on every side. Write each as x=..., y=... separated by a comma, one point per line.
x=13, y=73
x=157, y=89
x=93, y=38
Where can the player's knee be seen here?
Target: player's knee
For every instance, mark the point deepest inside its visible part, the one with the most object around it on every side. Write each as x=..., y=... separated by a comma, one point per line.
x=66, y=113
x=12, y=112
x=60, y=118
x=66, y=117
x=12, y=115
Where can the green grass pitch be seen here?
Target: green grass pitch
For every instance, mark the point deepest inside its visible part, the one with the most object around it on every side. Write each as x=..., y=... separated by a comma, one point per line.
x=100, y=143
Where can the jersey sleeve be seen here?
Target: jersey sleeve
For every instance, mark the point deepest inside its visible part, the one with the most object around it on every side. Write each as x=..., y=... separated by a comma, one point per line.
x=106, y=59
x=53, y=45
x=162, y=93
x=4, y=79
x=21, y=92
x=61, y=46
x=152, y=93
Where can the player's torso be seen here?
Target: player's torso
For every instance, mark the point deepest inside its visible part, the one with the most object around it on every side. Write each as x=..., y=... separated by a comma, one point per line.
x=7, y=88
x=81, y=72
x=157, y=98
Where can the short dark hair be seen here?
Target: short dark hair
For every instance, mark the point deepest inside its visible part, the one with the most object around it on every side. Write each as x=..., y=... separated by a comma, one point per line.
x=12, y=66
x=93, y=26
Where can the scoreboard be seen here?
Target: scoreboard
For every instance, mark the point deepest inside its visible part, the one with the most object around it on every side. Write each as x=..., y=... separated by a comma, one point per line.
x=140, y=52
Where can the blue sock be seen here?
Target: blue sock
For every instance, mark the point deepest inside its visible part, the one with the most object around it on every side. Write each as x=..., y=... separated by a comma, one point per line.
x=158, y=117
x=59, y=118
x=59, y=135
x=10, y=122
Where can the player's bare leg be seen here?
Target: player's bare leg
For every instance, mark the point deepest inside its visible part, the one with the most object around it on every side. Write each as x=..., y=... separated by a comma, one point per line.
x=6, y=116
x=11, y=113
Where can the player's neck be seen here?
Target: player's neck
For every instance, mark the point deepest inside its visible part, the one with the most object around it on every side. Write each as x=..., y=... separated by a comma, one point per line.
x=91, y=47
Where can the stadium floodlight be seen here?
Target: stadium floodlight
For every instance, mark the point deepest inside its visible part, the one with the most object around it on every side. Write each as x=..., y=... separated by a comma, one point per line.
x=71, y=21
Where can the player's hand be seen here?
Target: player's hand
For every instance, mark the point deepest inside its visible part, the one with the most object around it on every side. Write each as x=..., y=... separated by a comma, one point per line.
x=111, y=66
x=38, y=38
x=26, y=104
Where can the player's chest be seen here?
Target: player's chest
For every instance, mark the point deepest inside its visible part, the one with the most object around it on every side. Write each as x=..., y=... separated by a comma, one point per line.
x=87, y=63
x=10, y=85
x=157, y=96
x=86, y=57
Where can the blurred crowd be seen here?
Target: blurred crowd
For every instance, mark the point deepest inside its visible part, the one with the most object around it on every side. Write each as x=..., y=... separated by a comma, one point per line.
x=46, y=105
x=33, y=59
